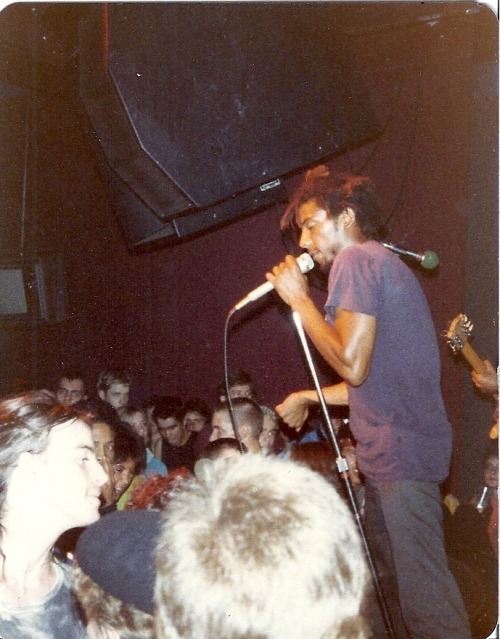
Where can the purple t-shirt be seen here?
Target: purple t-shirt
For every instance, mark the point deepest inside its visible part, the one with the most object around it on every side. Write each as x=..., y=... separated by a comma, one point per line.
x=397, y=414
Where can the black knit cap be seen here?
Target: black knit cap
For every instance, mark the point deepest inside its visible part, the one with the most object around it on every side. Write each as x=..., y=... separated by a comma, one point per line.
x=117, y=552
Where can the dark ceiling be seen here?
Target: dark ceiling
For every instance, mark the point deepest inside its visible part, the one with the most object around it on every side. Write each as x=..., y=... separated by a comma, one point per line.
x=49, y=31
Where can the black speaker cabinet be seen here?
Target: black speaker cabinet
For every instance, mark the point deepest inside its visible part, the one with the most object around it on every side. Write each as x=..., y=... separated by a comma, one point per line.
x=202, y=108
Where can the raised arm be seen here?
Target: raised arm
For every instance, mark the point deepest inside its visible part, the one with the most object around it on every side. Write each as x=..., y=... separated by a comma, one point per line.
x=347, y=346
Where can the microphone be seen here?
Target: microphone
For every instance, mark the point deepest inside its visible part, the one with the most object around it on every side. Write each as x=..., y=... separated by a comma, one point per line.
x=305, y=263
x=428, y=259
x=481, y=504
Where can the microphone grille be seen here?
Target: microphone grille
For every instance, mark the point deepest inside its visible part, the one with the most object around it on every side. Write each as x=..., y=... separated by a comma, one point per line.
x=431, y=260
x=305, y=262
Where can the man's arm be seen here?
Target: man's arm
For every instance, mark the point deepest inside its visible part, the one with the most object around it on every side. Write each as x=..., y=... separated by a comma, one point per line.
x=294, y=409
x=347, y=346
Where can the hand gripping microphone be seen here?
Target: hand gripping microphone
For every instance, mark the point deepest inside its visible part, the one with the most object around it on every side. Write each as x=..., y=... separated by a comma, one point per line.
x=305, y=263
x=429, y=259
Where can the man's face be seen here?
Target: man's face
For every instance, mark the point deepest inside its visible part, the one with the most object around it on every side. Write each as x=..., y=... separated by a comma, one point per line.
x=116, y=395
x=221, y=426
x=240, y=390
x=194, y=421
x=321, y=236
x=104, y=442
x=139, y=424
x=268, y=435
x=172, y=430
x=70, y=391
x=490, y=474
x=68, y=476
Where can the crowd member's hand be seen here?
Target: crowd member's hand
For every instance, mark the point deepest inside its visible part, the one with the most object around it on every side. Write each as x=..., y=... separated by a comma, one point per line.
x=486, y=382
x=294, y=409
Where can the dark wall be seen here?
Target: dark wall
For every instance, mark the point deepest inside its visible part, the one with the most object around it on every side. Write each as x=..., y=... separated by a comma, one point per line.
x=162, y=313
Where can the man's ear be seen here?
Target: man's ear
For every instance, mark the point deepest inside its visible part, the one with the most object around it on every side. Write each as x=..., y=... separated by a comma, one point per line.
x=349, y=217
x=243, y=430
x=102, y=395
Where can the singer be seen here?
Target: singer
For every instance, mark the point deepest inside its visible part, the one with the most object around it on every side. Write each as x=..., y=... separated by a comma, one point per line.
x=379, y=338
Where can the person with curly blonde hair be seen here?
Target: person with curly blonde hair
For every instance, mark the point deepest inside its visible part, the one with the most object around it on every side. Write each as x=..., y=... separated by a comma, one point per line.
x=262, y=547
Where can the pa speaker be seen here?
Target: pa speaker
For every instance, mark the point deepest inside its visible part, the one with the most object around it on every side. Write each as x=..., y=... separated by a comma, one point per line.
x=205, y=107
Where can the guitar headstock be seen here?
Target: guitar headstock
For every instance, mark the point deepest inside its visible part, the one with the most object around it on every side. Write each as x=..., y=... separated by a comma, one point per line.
x=459, y=332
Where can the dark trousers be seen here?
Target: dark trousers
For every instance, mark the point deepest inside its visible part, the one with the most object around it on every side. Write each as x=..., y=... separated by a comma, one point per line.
x=404, y=531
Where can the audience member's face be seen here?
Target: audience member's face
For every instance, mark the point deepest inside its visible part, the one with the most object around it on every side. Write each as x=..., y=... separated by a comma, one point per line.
x=116, y=395
x=269, y=431
x=241, y=390
x=70, y=391
x=221, y=426
x=68, y=477
x=194, y=421
x=123, y=473
x=172, y=430
x=490, y=474
x=139, y=423
x=104, y=441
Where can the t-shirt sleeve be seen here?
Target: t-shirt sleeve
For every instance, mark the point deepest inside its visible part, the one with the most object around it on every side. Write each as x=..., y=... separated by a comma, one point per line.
x=354, y=283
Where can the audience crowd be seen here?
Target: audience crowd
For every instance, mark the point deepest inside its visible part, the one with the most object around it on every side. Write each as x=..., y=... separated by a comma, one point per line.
x=174, y=519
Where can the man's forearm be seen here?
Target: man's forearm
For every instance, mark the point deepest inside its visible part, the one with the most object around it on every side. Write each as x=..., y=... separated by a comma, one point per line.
x=295, y=408
x=335, y=395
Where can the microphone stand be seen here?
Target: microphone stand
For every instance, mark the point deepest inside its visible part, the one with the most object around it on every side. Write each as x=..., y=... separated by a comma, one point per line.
x=229, y=401
x=344, y=473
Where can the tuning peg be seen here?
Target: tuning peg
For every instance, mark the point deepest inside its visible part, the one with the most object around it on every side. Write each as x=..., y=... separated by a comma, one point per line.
x=466, y=325
x=455, y=343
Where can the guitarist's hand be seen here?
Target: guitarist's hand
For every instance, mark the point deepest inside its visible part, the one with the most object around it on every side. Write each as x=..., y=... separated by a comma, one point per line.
x=486, y=382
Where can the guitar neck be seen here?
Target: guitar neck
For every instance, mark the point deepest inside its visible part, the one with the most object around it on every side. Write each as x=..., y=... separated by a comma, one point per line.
x=473, y=358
